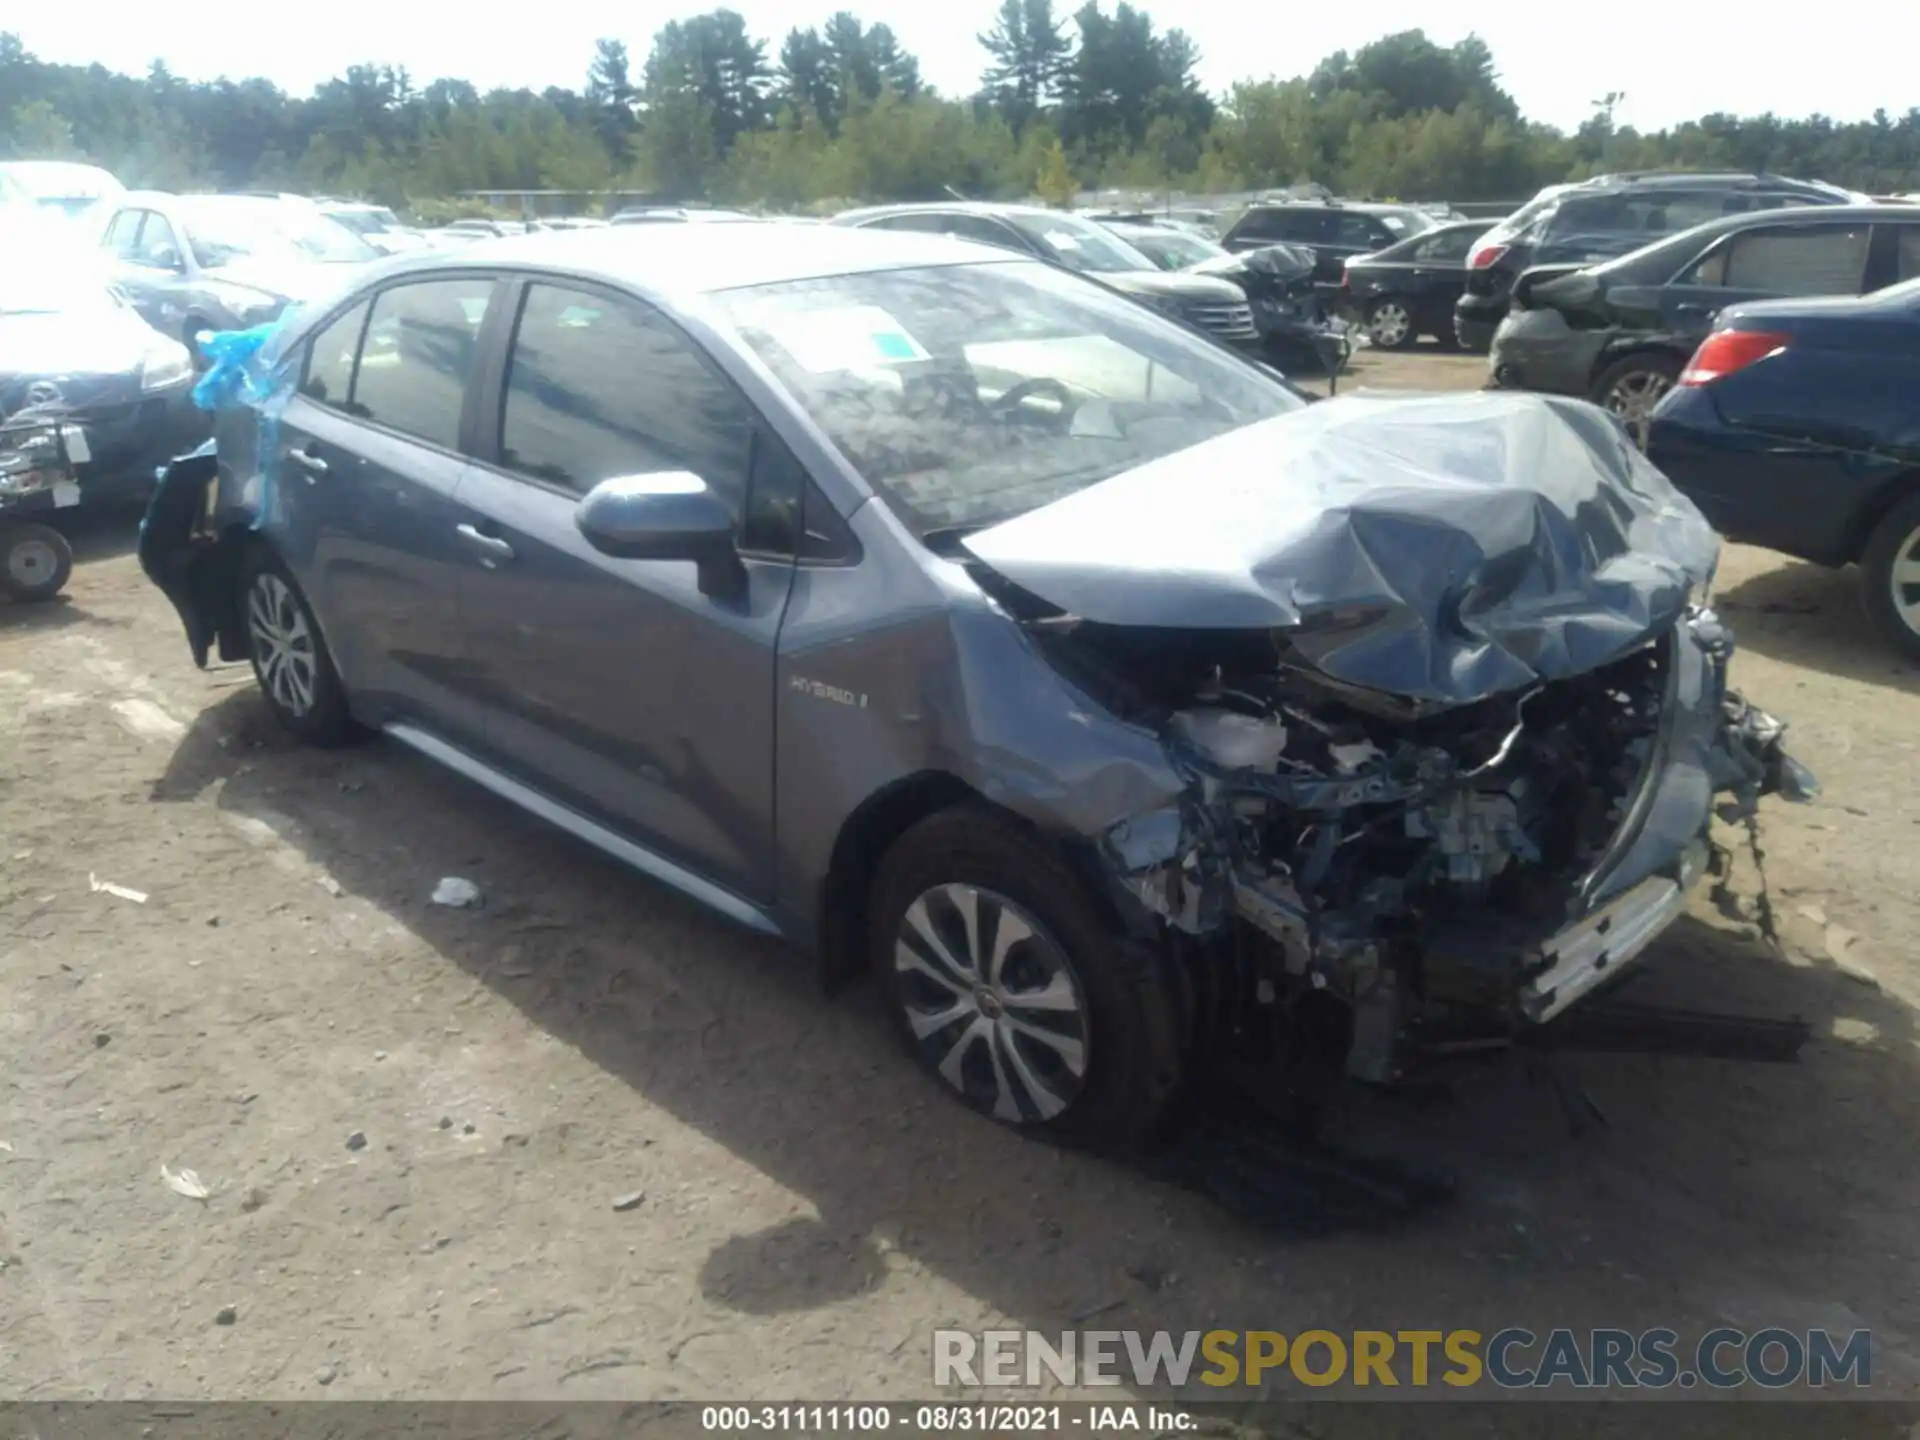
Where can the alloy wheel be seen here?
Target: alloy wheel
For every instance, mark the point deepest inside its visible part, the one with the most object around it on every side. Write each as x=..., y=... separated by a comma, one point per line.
x=992, y=1002
x=1388, y=325
x=1633, y=397
x=1903, y=581
x=31, y=563
x=283, y=649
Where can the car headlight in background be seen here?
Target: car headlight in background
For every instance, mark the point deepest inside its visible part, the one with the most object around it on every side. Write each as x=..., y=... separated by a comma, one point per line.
x=165, y=365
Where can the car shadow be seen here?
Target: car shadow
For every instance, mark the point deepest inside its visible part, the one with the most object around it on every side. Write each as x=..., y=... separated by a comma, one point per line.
x=54, y=614
x=1715, y=1189
x=1811, y=616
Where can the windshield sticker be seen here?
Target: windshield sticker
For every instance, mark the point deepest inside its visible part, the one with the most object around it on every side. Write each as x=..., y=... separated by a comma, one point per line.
x=1060, y=240
x=857, y=337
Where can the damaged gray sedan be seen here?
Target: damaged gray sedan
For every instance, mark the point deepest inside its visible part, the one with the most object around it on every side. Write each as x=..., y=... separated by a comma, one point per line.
x=947, y=614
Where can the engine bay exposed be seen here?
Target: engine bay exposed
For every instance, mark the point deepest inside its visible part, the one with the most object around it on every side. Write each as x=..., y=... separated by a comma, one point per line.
x=1378, y=854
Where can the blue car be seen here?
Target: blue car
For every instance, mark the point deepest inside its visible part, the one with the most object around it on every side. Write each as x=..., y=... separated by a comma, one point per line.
x=1796, y=425
x=955, y=617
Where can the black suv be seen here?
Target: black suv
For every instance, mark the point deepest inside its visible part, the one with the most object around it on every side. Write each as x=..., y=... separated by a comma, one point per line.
x=1610, y=215
x=1333, y=229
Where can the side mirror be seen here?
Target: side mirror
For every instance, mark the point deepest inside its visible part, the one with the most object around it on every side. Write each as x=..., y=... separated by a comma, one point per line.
x=667, y=516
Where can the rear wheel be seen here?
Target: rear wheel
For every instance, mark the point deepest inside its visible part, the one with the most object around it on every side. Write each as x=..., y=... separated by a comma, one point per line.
x=1389, y=325
x=1011, y=989
x=1632, y=386
x=1890, y=572
x=290, y=657
x=35, y=560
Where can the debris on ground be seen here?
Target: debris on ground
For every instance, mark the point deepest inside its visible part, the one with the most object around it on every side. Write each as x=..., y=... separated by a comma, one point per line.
x=226, y=1315
x=107, y=887
x=327, y=1373
x=101, y=1039
x=255, y=1198
x=630, y=1201
x=185, y=1182
x=357, y=1140
x=456, y=892
x=331, y=886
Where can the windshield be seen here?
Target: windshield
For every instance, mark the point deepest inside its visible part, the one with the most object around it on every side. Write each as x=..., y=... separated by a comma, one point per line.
x=365, y=222
x=222, y=229
x=968, y=394
x=1080, y=244
x=1403, y=223
x=1171, y=249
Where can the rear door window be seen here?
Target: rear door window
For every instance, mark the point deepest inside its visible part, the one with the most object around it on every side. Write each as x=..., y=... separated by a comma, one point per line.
x=985, y=230
x=1451, y=246
x=1359, y=232
x=419, y=355
x=157, y=248
x=1805, y=260
x=1906, y=252
x=1284, y=225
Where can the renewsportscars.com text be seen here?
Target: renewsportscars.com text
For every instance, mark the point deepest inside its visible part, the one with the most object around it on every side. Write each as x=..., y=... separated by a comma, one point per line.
x=1512, y=1358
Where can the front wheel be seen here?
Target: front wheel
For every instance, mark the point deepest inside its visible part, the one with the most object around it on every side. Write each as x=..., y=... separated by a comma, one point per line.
x=1632, y=386
x=1890, y=574
x=35, y=560
x=290, y=657
x=1389, y=325
x=1010, y=987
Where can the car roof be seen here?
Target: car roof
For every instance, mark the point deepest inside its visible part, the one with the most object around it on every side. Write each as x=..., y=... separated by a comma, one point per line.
x=1362, y=207
x=702, y=259
x=979, y=207
x=62, y=179
x=1695, y=179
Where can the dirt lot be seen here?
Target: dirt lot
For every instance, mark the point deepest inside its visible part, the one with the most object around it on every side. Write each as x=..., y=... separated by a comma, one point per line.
x=809, y=1208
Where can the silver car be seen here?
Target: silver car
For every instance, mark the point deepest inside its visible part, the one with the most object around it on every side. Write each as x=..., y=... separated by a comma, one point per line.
x=191, y=263
x=955, y=617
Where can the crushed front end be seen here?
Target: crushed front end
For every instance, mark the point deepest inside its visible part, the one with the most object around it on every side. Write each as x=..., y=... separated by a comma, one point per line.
x=1490, y=864
x=1453, y=721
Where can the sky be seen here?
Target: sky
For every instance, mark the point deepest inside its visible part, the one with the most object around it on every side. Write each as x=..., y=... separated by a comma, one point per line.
x=1556, y=61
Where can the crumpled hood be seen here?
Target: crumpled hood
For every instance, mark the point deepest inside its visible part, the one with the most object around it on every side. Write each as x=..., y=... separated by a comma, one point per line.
x=104, y=340
x=1282, y=262
x=1441, y=548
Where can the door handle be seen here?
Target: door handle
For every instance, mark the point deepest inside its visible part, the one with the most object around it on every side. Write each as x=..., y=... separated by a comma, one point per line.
x=493, y=550
x=309, y=462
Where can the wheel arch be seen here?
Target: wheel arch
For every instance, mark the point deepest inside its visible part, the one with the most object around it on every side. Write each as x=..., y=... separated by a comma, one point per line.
x=871, y=830
x=1878, y=506
x=1638, y=347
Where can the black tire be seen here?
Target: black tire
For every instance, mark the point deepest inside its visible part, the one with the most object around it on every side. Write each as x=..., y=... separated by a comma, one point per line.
x=1401, y=334
x=270, y=604
x=35, y=561
x=1128, y=1014
x=1632, y=385
x=1895, y=539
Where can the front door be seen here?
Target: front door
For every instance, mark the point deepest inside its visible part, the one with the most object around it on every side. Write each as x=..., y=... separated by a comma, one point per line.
x=616, y=685
x=368, y=462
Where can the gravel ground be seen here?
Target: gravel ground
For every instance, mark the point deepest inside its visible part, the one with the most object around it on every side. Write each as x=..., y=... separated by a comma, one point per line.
x=586, y=1141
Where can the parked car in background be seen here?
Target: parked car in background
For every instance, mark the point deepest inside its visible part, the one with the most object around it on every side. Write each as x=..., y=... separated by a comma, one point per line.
x=191, y=263
x=1277, y=281
x=1796, y=425
x=72, y=348
x=1619, y=334
x=675, y=214
x=1206, y=302
x=61, y=186
x=575, y=222
x=973, y=626
x=460, y=232
x=1408, y=289
x=1334, y=230
x=1607, y=216
x=375, y=224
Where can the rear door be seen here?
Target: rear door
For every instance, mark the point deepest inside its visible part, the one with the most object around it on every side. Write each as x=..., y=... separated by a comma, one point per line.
x=1765, y=262
x=368, y=462
x=615, y=685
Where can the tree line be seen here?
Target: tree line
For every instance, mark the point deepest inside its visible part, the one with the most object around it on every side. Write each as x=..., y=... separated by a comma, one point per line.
x=839, y=112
